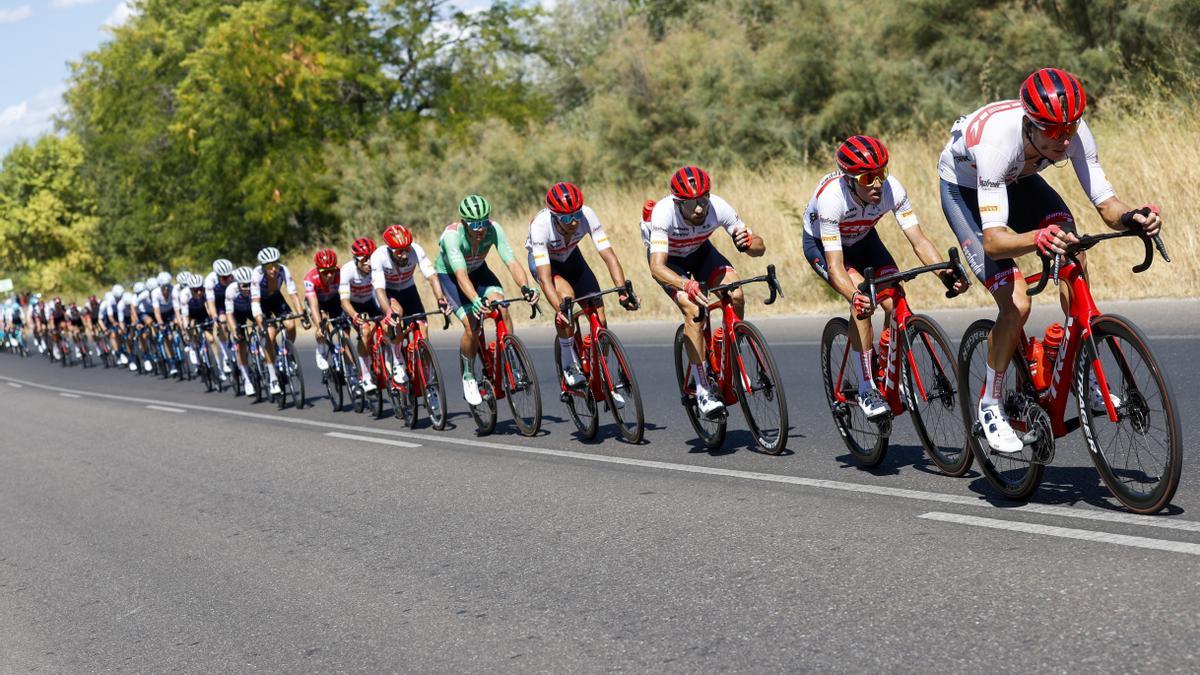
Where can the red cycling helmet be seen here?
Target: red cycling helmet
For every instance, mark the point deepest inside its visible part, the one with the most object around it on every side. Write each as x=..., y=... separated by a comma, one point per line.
x=690, y=182
x=325, y=259
x=362, y=247
x=861, y=154
x=397, y=237
x=564, y=198
x=1053, y=97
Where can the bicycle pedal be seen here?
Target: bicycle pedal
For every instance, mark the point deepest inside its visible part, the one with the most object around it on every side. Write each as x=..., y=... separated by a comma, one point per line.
x=565, y=397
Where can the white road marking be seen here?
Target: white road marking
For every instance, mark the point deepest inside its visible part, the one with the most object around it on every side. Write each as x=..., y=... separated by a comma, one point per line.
x=14, y=385
x=1066, y=532
x=372, y=439
x=68, y=395
x=863, y=488
x=164, y=408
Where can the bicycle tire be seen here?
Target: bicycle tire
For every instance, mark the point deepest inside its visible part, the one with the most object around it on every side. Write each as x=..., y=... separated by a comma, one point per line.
x=581, y=404
x=295, y=376
x=630, y=423
x=1135, y=409
x=484, y=413
x=433, y=390
x=520, y=381
x=764, y=379
x=1016, y=476
x=711, y=432
x=932, y=404
x=866, y=441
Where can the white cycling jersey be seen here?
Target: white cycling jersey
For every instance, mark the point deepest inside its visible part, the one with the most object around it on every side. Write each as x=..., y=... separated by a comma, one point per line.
x=387, y=274
x=546, y=243
x=836, y=216
x=108, y=307
x=671, y=234
x=356, y=286
x=162, y=302
x=259, y=281
x=987, y=152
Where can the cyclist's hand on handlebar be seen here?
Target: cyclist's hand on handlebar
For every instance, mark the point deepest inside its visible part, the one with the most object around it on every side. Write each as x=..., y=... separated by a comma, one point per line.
x=1053, y=240
x=444, y=306
x=530, y=294
x=1150, y=223
x=953, y=282
x=560, y=319
x=359, y=320
x=860, y=304
x=393, y=319
x=692, y=288
x=306, y=321
x=476, y=306
x=629, y=301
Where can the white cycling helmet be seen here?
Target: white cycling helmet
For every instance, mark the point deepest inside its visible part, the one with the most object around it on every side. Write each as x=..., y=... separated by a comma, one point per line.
x=243, y=275
x=222, y=267
x=117, y=291
x=180, y=279
x=269, y=254
x=139, y=287
x=151, y=283
x=108, y=297
x=164, y=278
x=195, y=281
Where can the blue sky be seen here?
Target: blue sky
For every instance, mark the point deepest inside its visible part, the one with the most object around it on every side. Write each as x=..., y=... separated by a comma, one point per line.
x=37, y=40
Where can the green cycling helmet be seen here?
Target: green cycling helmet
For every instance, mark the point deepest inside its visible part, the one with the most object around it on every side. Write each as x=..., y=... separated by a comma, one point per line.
x=474, y=207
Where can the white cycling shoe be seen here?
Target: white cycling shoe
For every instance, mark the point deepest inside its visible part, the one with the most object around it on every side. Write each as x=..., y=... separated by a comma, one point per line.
x=322, y=362
x=247, y=387
x=709, y=404
x=471, y=391
x=368, y=386
x=1000, y=436
x=275, y=388
x=872, y=404
x=573, y=376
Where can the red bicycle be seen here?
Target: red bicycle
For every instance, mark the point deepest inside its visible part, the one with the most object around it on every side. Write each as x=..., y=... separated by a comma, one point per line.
x=506, y=361
x=917, y=372
x=379, y=347
x=742, y=370
x=609, y=378
x=1128, y=416
x=423, y=370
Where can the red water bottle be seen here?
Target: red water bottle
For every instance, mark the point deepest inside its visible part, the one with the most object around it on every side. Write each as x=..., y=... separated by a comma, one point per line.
x=714, y=354
x=881, y=354
x=1036, y=356
x=1050, y=346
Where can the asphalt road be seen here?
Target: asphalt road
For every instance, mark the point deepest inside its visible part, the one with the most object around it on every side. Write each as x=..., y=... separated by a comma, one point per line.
x=211, y=534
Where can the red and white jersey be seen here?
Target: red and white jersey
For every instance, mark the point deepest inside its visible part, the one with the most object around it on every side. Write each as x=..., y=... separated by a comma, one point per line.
x=315, y=286
x=353, y=285
x=671, y=234
x=987, y=152
x=545, y=242
x=836, y=216
x=388, y=274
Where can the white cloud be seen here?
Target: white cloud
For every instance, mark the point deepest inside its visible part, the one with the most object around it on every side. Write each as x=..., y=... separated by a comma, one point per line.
x=120, y=14
x=31, y=118
x=70, y=3
x=14, y=15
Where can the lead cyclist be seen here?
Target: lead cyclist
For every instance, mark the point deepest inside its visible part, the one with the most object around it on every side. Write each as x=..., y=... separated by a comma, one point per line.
x=1000, y=208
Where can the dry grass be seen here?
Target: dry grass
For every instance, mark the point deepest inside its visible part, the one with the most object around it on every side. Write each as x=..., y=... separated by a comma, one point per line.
x=1149, y=157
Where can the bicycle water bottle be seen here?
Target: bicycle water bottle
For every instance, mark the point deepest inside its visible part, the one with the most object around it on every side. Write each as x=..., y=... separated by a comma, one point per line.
x=1050, y=346
x=1036, y=356
x=586, y=351
x=881, y=354
x=714, y=354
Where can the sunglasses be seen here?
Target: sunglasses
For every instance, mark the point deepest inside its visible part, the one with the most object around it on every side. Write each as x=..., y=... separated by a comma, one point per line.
x=478, y=225
x=326, y=270
x=244, y=287
x=689, y=206
x=567, y=218
x=1057, y=132
x=362, y=259
x=871, y=178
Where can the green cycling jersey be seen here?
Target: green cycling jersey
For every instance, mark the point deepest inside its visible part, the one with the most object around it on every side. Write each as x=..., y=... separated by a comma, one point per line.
x=457, y=252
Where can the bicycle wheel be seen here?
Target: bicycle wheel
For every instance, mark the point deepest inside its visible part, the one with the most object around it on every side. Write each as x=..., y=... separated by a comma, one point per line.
x=433, y=391
x=620, y=387
x=867, y=441
x=1016, y=475
x=332, y=379
x=485, y=412
x=379, y=395
x=758, y=388
x=1140, y=456
x=520, y=383
x=581, y=403
x=710, y=431
x=295, y=376
x=930, y=382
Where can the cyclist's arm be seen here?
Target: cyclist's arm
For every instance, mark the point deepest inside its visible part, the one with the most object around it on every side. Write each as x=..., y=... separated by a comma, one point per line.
x=313, y=308
x=909, y=225
x=508, y=258
x=604, y=247
x=613, y=264
x=546, y=279
x=379, y=281
x=154, y=308
x=922, y=246
x=732, y=223
x=297, y=306
x=210, y=297
x=999, y=241
x=429, y=272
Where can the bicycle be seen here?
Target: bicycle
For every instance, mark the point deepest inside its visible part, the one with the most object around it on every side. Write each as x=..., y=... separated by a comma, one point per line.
x=1115, y=351
x=602, y=359
x=745, y=374
x=256, y=363
x=342, y=374
x=505, y=360
x=919, y=374
x=287, y=366
x=379, y=363
x=423, y=370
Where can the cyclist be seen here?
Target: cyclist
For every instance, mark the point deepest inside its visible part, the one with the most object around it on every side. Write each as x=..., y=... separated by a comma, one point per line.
x=239, y=312
x=271, y=278
x=557, y=264
x=357, y=295
x=75, y=327
x=193, y=312
x=840, y=241
x=392, y=277
x=466, y=280
x=321, y=293
x=682, y=257
x=215, y=283
x=163, y=303
x=1000, y=208
x=109, y=318
x=127, y=311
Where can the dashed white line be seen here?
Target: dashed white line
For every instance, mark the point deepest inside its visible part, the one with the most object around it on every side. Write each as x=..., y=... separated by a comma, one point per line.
x=862, y=488
x=14, y=385
x=373, y=439
x=164, y=408
x=66, y=394
x=1066, y=532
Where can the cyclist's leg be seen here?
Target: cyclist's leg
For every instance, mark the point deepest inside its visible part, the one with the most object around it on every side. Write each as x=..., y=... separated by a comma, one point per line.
x=715, y=269
x=860, y=335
